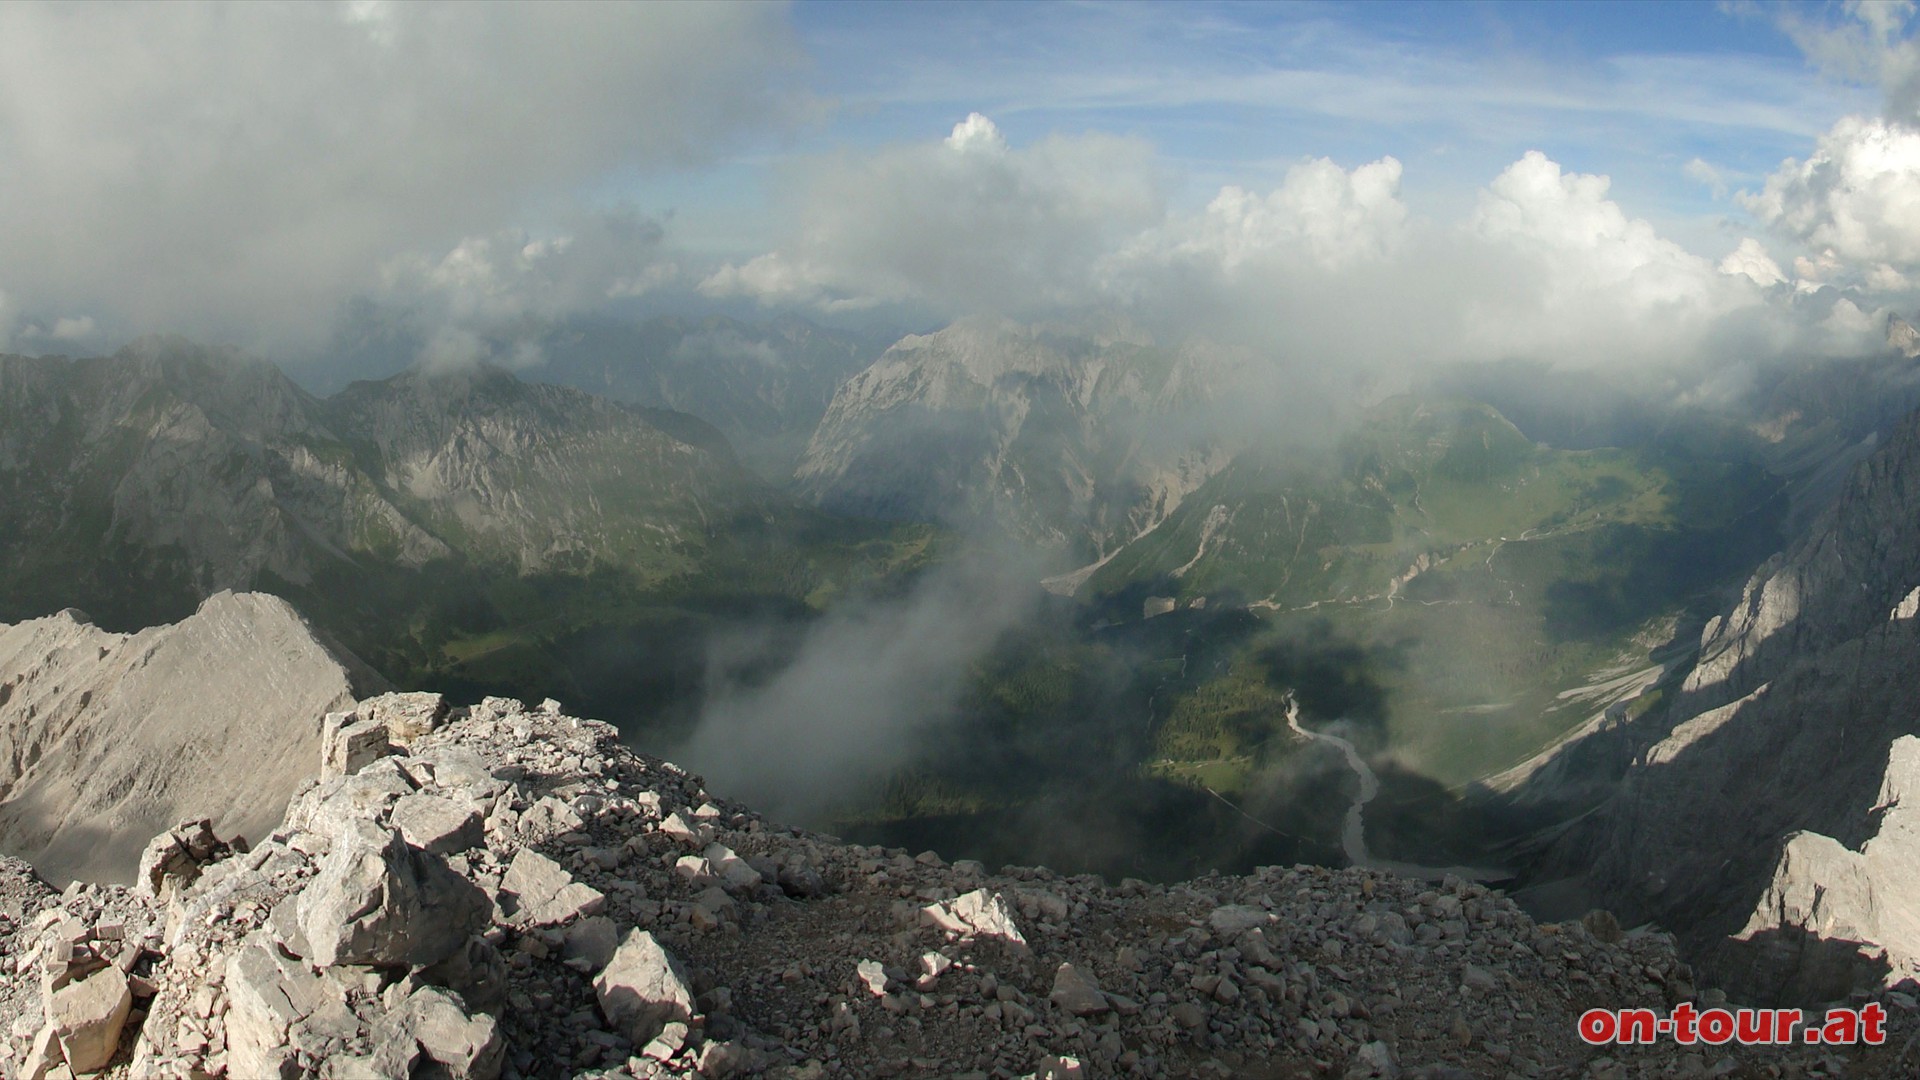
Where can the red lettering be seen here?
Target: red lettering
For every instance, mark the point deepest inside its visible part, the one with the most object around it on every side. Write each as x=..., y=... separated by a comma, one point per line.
x=1842, y=1026
x=1873, y=1021
x=1716, y=1026
x=1598, y=1026
x=1683, y=1020
x=1638, y=1026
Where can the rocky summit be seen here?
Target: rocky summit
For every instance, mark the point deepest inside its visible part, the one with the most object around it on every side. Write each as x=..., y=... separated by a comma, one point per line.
x=498, y=891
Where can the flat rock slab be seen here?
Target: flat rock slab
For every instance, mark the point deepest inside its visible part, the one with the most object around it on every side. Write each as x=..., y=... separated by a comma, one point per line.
x=438, y=825
x=537, y=891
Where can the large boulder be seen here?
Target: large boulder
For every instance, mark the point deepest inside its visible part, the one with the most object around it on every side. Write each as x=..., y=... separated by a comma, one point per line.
x=378, y=900
x=643, y=989
x=87, y=1015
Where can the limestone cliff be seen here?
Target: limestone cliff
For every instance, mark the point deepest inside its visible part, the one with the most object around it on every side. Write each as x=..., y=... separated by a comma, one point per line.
x=1822, y=891
x=136, y=485
x=1784, y=725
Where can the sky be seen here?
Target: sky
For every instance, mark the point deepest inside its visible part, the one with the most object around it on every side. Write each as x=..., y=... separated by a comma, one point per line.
x=1595, y=184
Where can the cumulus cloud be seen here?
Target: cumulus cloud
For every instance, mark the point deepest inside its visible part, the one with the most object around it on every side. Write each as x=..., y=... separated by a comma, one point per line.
x=1335, y=216
x=1575, y=276
x=238, y=170
x=1329, y=273
x=1750, y=260
x=1857, y=195
x=965, y=224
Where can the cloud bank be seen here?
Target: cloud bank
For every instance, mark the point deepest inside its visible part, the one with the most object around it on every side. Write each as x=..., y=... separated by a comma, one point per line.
x=236, y=171
x=1330, y=273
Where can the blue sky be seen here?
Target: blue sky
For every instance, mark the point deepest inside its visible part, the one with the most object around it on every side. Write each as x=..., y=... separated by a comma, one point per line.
x=1238, y=93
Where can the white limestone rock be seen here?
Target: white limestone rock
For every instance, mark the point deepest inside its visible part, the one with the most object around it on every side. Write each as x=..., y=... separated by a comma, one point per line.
x=643, y=989
x=437, y=825
x=978, y=914
x=537, y=891
x=86, y=1017
x=377, y=900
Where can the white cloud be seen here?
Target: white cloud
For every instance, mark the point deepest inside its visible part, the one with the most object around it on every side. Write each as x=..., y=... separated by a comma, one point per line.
x=1335, y=216
x=1329, y=273
x=479, y=289
x=1751, y=260
x=1857, y=195
x=964, y=224
x=238, y=170
x=977, y=134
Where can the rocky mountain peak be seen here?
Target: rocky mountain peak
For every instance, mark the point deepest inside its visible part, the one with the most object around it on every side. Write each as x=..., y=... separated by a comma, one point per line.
x=105, y=737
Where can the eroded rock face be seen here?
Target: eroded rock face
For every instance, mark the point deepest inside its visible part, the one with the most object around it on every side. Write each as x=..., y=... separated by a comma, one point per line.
x=1783, y=726
x=107, y=739
x=987, y=419
x=173, y=860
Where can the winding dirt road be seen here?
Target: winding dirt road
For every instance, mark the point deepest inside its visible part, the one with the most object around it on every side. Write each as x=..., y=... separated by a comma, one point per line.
x=1353, y=831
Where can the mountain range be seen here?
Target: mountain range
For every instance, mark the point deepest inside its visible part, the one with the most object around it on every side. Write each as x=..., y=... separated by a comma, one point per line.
x=1553, y=630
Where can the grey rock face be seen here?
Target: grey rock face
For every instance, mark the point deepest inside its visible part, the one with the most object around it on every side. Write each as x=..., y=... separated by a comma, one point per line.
x=643, y=989
x=1047, y=432
x=1784, y=726
x=1824, y=890
x=267, y=994
x=376, y=900
x=107, y=739
x=174, y=859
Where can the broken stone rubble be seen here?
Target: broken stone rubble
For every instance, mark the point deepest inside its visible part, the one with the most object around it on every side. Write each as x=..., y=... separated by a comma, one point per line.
x=587, y=954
